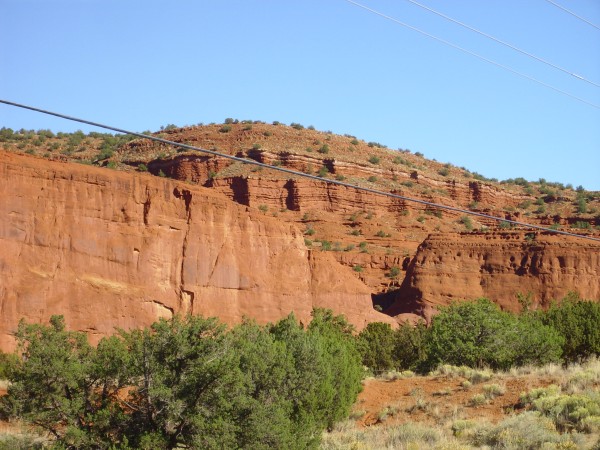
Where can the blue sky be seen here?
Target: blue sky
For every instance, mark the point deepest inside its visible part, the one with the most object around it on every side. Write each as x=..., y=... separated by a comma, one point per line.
x=327, y=63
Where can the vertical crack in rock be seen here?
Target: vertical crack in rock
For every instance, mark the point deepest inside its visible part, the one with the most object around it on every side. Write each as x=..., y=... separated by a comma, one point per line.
x=328, y=188
x=146, y=208
x=186, y=298
x=291, y=201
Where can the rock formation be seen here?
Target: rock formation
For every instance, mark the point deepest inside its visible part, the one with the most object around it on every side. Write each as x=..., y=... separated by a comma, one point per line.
x=117, y=250
x=500, y=266
x=208, y=235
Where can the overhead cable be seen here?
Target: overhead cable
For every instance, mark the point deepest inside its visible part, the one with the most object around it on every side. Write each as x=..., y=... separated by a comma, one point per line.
x=573, y=14
x=506, y=44
x=301, y=174
x=476, y=55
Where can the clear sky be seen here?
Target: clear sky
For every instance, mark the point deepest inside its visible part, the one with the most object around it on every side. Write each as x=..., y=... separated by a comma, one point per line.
x=142, y=64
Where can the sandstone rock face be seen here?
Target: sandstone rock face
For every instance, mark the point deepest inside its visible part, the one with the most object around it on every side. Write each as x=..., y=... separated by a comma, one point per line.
x=110, y=249
x=115, y=250
x=300, y=194
x=498, y=266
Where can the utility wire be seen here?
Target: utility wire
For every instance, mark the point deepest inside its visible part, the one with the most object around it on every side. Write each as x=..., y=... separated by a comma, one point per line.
x=300, y=174
x=506, y=44
x=476, y=55
x=573, y=14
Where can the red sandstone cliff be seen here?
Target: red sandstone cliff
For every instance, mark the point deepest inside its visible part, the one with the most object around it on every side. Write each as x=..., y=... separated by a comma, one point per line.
x=499, y=266
x=110, y=249
x=118, y=248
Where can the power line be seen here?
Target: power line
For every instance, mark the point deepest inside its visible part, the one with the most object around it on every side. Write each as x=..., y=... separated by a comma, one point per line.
x=299, y=174
x=476, y=55
x=506, y=44
x=573, y=14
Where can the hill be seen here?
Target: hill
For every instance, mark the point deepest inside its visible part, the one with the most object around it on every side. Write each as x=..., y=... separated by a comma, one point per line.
x=214, y=236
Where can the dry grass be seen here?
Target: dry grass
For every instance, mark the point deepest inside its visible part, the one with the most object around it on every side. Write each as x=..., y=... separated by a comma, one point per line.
x=550, y=407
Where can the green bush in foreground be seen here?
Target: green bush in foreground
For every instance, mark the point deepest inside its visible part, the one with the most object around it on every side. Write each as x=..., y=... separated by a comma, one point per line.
x=577, y=321
x=479, y=334
x=186, y=382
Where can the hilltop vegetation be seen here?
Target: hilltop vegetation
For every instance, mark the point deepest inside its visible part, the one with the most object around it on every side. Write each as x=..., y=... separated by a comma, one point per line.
x=541, y=197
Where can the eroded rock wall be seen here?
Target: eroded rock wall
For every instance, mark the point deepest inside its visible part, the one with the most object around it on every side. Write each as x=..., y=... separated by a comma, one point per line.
x=115, y=250
x=499, y=266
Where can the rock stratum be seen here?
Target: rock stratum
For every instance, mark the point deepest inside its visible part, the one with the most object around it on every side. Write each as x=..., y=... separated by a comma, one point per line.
x=115, y=250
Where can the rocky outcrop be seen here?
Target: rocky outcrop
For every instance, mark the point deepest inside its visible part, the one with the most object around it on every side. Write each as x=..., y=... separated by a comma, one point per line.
x=499, y=266
x=298, y=194
x=116, y=250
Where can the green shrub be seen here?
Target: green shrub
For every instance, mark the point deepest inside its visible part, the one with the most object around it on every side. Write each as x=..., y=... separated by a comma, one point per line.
x=568, y=412
x=492, y=391
x=7, y=362
x=411, y=346
x=582, y=225
x=324, y=149
x=477, y=400
x=225, y=129
x=374, y=159
x=394, y=272
x=466, y=221
x=576, y=321
x=190, y=384
x=376, y=344
x=325, y=245
x=372, y=179
x=479, y=334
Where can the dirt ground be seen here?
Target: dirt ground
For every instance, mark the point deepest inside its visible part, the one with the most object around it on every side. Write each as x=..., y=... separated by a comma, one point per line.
x=439, y=399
